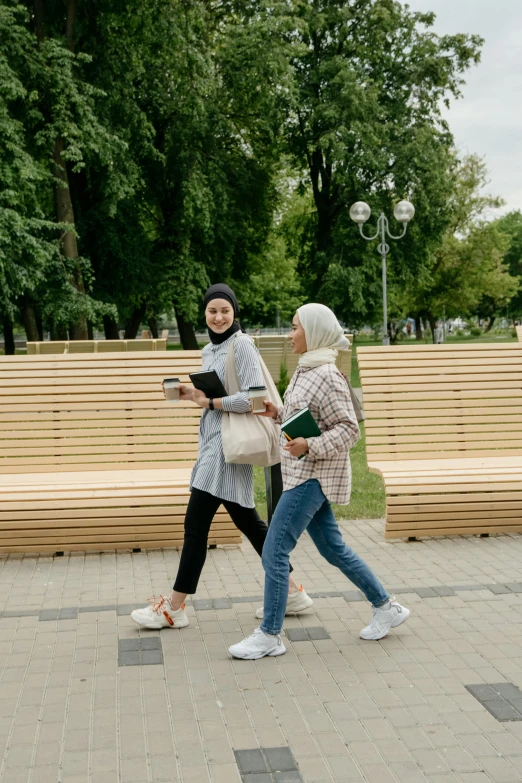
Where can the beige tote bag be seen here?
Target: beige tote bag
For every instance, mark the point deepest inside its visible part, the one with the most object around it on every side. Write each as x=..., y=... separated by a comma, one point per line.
x=249, y=439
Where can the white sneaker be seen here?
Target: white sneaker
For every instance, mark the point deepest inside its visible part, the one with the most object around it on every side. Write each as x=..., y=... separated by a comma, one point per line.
x=296, y=603
x=391, y=615
x=160, y=614
x=258, y=645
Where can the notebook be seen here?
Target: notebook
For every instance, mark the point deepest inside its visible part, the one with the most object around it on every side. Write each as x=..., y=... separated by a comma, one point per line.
x=208, y=381
x=301, y=425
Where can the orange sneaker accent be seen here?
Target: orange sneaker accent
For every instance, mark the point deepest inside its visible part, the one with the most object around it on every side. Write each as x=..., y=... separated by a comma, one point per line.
x=158, y=604
x=168, y=618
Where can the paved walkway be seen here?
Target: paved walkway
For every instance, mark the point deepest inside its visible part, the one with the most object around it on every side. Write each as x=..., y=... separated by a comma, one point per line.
x=85, y=698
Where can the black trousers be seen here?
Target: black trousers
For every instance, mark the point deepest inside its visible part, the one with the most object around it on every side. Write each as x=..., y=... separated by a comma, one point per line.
x=201, y=510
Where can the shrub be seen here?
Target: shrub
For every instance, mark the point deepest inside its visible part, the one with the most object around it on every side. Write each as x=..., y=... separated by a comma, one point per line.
x=284, y=380
x=475, y=331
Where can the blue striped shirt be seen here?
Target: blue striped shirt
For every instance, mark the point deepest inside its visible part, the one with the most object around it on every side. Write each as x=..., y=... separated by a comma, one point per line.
x=211, y=473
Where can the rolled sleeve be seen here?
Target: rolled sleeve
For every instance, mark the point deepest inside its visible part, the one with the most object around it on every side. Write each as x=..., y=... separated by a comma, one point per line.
x=236, y=403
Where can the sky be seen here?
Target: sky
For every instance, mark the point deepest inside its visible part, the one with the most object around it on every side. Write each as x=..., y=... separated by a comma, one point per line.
x=487, y=120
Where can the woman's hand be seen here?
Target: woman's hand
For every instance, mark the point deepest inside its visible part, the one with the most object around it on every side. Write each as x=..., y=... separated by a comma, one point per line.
x=186, y=392
x=200, y=398
x=297, y=447
x=270, y=410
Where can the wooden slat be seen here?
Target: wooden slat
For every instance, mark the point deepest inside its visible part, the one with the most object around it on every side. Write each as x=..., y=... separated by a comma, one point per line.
x=444, y=429
x=457, y=530
x=91, y=455
x=216, y=536
x=94, y=346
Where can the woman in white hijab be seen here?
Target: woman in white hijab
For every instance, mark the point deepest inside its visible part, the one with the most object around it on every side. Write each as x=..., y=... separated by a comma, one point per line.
x=316, y=473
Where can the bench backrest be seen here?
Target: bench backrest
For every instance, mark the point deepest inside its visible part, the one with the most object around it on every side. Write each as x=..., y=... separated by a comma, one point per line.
x=442, y=401
x=276, y=350
x=95, y=346
x=69, y=412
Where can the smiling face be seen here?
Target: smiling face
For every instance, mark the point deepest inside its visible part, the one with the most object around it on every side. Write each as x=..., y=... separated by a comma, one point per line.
x=297, y=336
x=219, y=315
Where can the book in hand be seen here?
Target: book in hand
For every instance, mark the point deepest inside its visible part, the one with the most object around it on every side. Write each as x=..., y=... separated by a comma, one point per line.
x=301, y=425
x=208, y=382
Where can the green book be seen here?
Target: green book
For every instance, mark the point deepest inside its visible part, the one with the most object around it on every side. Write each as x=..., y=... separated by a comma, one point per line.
x=301, y=425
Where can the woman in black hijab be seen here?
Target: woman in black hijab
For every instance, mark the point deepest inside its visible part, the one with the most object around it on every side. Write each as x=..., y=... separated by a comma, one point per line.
x=215, y=482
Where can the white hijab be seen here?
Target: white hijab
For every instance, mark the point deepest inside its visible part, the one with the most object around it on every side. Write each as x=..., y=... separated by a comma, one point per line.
x=324, y=335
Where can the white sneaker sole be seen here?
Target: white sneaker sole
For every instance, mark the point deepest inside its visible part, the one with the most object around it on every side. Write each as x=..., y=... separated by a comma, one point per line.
x=399, y=620
x=156, y=626
x=305, y=604
x=280, y=650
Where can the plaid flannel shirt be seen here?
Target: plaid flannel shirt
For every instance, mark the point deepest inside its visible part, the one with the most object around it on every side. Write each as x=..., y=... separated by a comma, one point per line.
x=325, y=392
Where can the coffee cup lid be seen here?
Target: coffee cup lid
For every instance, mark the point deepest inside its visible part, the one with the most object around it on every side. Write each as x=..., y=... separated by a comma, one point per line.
x=257, y=388
x=166, y=380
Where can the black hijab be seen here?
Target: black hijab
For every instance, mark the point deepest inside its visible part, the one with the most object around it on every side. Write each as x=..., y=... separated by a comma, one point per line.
x=222, y=291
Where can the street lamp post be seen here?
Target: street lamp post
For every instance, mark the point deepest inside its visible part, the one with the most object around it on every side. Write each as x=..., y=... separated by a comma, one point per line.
x=403, y=213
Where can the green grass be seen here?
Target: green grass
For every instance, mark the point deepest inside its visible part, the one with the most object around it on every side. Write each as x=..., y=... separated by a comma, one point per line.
x=367, y=489
x=367, y=501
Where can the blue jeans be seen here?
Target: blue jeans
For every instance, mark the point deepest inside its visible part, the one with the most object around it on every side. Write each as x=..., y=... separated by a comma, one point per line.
x=306, y=508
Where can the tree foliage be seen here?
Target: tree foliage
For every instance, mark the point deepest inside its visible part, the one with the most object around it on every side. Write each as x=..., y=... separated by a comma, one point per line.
x=151, y=148
x=467, y=274
x=511, y=226
x=365, y=124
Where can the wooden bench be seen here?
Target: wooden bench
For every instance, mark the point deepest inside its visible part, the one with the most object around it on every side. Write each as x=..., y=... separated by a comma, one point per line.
x=92, y=457
x=444, y=430
x=95, y=346
x=276, y=350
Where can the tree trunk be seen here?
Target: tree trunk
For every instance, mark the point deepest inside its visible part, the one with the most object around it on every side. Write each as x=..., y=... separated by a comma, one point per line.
x=111, y=328
x=39, y=324
x=59, y=332
x=187, y=333
x=9, y=343
x=153, y=326
x=69, y=24
x=90, y=330
x=29, y=319
x=133, y=324
x=39, y=20
x=433, y=325
x=62, y=194
x=491, y=321
x=418, y=328
x=65, y=214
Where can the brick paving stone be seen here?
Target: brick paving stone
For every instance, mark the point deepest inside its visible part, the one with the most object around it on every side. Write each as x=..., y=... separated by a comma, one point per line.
x=347, y=709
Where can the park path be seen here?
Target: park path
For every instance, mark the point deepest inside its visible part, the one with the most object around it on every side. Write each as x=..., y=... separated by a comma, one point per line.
x=86, y=698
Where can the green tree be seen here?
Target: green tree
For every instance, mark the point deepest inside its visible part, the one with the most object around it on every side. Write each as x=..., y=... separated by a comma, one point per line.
x=27, y=237
x=364, y=122
x=467, y=274
x=200, y=116
x=511, y=226
x=273, y=289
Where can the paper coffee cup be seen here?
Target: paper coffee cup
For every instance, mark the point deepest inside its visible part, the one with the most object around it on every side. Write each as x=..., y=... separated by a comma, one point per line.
x=257, y=395
x=171, y=386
